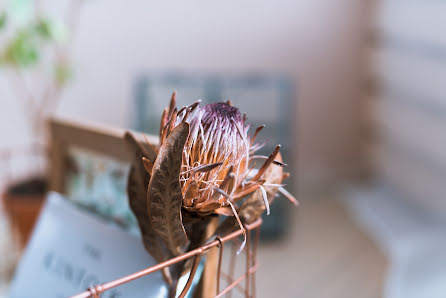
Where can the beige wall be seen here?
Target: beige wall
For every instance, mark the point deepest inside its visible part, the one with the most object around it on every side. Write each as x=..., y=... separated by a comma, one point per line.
x=317, y=42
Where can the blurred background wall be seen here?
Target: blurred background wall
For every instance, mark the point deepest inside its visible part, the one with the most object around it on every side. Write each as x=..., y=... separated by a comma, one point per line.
x=317, y=43
x=405, y=99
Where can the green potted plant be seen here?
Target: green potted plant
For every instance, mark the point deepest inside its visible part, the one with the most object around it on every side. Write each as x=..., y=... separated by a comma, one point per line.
x=35, y=59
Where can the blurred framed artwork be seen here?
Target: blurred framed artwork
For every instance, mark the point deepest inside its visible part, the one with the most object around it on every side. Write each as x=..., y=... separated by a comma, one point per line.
x=90, y=165
x=268, y=99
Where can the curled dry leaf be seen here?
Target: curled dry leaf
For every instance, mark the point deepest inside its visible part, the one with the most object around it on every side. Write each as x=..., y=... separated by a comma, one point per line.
x=164, y=195
x=136, y=189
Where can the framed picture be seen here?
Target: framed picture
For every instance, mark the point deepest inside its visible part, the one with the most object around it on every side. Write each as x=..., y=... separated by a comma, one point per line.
x=90, y=165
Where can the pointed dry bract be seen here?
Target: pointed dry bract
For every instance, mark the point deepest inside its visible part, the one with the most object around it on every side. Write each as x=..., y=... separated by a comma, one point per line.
x=164, y=195
x=253, y=207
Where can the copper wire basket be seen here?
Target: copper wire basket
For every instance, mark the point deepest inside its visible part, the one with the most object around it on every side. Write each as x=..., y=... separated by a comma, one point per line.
x=251, y=266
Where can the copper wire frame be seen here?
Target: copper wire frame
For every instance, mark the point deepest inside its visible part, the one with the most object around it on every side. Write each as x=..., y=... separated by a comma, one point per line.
x=249, y=276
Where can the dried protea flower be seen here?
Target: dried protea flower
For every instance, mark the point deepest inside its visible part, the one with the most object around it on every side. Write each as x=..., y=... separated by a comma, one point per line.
x=218, y=157
x=205, y=164
x=217, y=149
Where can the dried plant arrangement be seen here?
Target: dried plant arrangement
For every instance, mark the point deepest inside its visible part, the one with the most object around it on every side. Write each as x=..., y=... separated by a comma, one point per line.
x=204, y=167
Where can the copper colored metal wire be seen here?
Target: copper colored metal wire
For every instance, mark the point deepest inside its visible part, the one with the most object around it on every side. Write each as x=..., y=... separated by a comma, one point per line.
x=96, y=291
x=232, y=261
x=229, y=279
x=248, y=265
x=236, y=282
x=220, y=257
x=254, y=261
x=191, y=276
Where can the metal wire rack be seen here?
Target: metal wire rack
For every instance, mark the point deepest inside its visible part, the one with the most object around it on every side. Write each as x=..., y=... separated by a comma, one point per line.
x=249, y=288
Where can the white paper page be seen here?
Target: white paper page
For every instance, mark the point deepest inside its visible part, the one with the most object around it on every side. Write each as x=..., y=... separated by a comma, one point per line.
x=71, y=250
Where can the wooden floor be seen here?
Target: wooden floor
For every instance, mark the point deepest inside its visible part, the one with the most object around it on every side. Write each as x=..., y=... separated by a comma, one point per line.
x=326, y=256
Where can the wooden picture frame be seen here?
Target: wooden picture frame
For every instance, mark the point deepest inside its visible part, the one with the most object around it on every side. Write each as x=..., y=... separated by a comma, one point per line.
x=100, y=139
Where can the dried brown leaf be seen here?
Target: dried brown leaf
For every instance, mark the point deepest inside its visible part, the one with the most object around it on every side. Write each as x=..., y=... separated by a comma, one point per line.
x=136, y=189
x=139, y=149
x=164, y=195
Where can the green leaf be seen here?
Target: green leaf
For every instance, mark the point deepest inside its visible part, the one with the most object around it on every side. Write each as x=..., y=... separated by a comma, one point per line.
x=43, y=29
x=3, y=20
x=22, y=51
x=50, y=30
